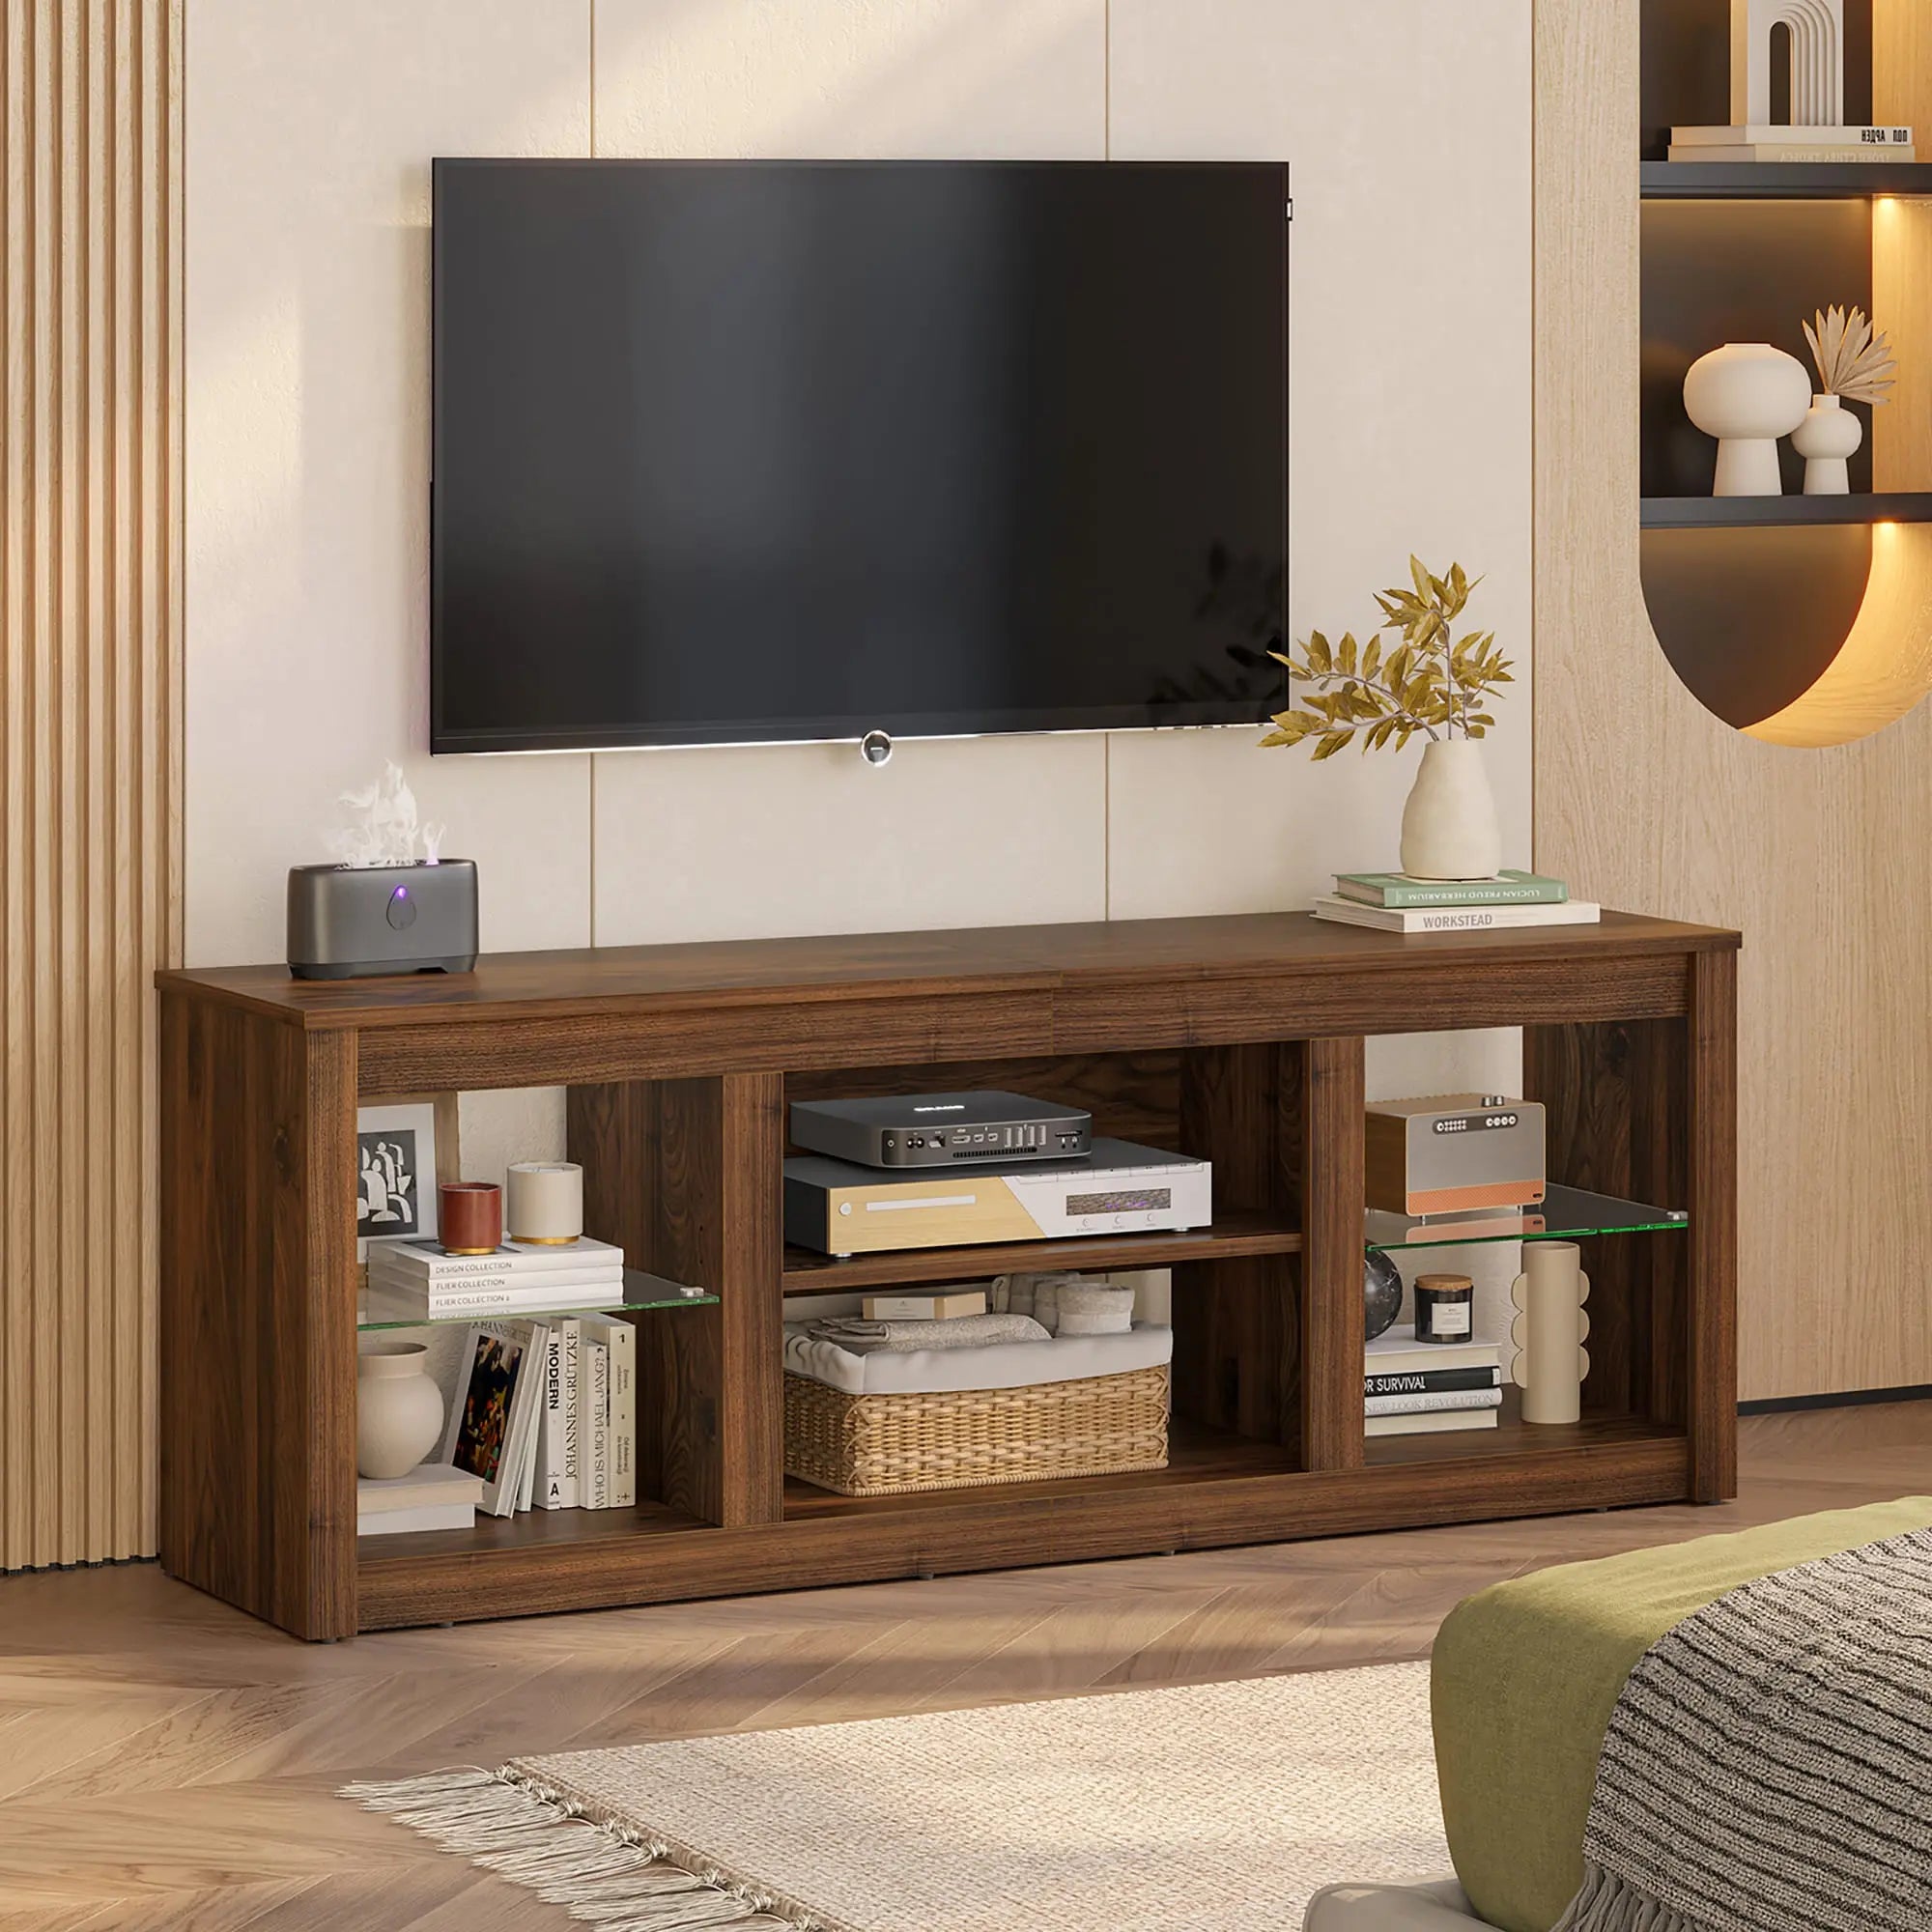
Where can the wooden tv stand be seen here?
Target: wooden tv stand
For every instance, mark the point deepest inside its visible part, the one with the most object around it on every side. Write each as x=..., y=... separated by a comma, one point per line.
x=1240, y=1040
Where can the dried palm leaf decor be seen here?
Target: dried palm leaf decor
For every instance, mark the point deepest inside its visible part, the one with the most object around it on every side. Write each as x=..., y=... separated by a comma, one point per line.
x=1853, y=364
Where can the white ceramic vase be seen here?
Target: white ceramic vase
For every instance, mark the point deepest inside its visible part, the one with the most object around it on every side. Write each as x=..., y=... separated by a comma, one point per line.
x=1828, y=435
x=398, y=1408
x=1747, y=394
x=1549, y=1331
x=1449, y=828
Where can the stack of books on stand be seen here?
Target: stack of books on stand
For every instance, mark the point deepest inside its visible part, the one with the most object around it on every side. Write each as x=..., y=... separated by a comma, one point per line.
x=1791, y=145
x=1423, y=1388
x=421, y=1281
x=1394, y=902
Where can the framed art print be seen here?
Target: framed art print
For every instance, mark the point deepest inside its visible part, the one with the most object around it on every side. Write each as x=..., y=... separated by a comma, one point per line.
x=400, y=1155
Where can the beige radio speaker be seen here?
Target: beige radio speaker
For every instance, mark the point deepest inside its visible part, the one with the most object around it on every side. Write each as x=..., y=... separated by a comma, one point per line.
x=1452, y=1153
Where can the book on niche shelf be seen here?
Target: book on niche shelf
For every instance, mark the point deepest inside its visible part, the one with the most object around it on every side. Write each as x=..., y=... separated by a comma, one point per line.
x=1791, y=145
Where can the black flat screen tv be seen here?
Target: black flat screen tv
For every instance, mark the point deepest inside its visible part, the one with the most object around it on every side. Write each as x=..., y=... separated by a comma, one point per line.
x=739, y=451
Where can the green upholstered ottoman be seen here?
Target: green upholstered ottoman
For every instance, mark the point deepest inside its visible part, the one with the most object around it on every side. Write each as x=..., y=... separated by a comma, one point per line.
x=1525, y=1676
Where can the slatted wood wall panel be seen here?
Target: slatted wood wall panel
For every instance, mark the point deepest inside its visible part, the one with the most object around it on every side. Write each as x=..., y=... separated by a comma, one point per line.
x=90, y=755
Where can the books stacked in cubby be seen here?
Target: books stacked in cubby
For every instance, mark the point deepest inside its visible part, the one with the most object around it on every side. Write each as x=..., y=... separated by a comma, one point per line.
x=422, y=1281
x=1418, y=1388
x=546, y=1414
x=433, y=1496
x=1395, y=903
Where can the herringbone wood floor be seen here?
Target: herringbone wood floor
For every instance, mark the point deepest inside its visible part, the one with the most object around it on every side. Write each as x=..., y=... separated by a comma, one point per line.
x=165, y=1762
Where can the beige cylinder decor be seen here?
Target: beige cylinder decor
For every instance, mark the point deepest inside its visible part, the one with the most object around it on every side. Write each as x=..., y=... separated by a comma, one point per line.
x=1549, y=1331
x=545, y=1202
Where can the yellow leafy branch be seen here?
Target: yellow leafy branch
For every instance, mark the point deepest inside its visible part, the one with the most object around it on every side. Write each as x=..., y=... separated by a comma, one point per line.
x=1432, y=681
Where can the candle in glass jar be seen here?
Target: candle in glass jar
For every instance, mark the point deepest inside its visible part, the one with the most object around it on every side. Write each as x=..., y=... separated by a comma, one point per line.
x=546, y=1204
x=1444, y=1305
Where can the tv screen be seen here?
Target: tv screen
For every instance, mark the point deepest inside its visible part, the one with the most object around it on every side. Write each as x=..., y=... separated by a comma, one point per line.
x=730, y=451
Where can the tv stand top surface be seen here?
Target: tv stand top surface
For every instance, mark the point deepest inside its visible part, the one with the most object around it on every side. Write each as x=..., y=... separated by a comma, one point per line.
x=751, y=973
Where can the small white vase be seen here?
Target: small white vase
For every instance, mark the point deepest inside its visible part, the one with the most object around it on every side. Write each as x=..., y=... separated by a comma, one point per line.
x=1828, y=436
x=398, y=1408
x=1449, y=828
x=1747, y=394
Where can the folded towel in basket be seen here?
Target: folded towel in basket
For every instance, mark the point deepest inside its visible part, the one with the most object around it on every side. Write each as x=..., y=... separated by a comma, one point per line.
x=900, y=1338
x=1034, y=1295
x=1095, y=1308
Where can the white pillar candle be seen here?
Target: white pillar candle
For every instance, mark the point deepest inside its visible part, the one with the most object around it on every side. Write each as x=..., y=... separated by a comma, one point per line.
x=545, y=1202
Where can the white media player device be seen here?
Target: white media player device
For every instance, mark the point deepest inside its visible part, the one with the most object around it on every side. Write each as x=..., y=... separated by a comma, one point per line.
x=834, y=1207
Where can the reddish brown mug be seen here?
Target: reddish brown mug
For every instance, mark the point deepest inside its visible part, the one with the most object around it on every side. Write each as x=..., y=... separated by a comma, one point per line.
x=470, y=1216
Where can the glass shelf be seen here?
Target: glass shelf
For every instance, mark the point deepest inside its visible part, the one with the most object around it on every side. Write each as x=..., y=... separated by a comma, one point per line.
x=384, y=1310
x=1566, y=1213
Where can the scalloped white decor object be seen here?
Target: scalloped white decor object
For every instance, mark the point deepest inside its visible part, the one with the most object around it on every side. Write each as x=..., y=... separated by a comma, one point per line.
x=1817, y=61
x=1551, y=1361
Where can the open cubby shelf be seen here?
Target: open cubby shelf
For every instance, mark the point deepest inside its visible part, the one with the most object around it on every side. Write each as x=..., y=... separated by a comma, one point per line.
x=1513, y=1440
x=1240, y=1040
x=1196, y=1453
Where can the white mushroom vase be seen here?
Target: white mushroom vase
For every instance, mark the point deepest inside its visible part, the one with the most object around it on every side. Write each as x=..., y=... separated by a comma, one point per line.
x=1747, y=394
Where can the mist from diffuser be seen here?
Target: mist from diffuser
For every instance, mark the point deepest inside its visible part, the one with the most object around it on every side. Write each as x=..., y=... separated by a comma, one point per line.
x=389, y=832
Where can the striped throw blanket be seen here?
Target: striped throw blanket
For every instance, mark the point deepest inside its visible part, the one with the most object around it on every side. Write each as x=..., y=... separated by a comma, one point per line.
x=1768, y=1764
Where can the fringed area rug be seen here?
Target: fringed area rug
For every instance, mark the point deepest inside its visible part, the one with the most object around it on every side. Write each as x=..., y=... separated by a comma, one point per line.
x=1220, y=1808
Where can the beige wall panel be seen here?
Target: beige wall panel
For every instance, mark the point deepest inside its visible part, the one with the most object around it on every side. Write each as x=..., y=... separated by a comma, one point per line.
x=844, y=80
x=308, y=314
x=764, y=839
x=1410, y=416
x=89, y=693
x=808, y=839
x=1644, y=798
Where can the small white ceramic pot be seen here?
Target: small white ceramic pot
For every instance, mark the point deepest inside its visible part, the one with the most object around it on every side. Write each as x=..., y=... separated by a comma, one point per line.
x=398, y=1408
x=1825, y=438
x=1449, y=828
x=1747, y=394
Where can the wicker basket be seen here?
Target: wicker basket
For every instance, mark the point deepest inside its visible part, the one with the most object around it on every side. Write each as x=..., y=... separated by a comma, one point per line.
x=884, y=1445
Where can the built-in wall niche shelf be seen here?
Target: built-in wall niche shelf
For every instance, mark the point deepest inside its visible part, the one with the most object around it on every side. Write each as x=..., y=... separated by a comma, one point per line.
x=1767, y=180
x=1800, y=621
x=1567, y=1214
x=1737, y=513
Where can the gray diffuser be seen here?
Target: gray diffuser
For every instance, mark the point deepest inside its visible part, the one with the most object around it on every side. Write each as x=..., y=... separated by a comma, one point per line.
x=357, y=922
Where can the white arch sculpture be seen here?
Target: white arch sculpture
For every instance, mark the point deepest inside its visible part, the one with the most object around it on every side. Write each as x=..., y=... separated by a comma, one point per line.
x=1817, y=61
